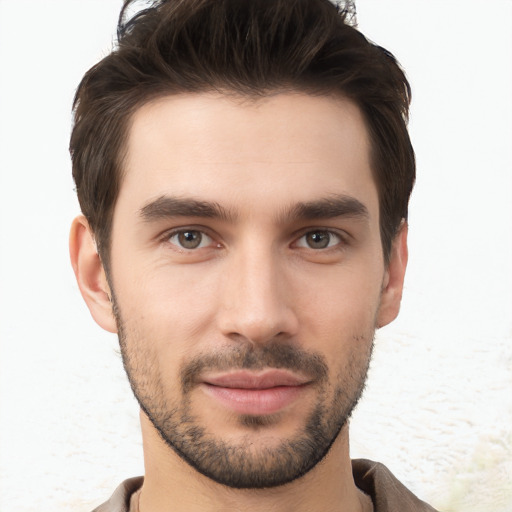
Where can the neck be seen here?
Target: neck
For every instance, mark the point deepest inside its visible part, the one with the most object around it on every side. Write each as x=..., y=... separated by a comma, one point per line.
x=170, y=482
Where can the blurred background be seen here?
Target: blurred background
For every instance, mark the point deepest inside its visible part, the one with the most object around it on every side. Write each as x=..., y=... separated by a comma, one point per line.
x=438, y=406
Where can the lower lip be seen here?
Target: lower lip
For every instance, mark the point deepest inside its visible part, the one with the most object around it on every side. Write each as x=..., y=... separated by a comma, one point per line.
x=255, y=401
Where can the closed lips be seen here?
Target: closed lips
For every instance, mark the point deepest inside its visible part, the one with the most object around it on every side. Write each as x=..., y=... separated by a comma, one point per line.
x=250, y=380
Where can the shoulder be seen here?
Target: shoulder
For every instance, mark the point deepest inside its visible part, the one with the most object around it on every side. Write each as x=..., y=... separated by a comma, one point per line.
x=120, y=500
x=387, y=492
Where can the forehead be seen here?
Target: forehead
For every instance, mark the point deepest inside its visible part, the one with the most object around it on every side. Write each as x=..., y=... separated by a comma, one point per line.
x=245, y=152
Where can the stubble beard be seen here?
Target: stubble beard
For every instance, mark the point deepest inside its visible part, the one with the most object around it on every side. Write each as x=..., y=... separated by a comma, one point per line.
x=247, y=464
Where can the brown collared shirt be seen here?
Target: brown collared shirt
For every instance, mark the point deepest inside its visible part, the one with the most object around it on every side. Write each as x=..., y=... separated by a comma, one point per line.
x=373, y=478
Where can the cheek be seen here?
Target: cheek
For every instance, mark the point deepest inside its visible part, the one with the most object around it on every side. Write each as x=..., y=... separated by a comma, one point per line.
x=165, y=306
x=343, y=298
x=338, y=319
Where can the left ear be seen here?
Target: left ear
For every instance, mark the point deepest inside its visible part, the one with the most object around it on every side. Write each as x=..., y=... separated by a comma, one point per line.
x=393, y=283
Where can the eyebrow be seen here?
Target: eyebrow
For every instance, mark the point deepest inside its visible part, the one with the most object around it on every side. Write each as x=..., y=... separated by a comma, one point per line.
x=168, y=206
x=336, y=205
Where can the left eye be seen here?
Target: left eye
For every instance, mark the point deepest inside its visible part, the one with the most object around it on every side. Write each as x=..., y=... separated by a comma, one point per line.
x=319, y=239
x=190, y=239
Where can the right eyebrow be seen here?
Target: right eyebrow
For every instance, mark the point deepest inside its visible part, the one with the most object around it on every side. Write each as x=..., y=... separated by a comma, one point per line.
x=169, y=206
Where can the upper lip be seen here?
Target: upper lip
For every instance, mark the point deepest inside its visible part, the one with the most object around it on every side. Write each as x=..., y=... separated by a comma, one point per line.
x=266, y=379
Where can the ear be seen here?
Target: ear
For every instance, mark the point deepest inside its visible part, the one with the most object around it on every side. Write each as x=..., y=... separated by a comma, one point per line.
x=90, y=274
x=393, y=283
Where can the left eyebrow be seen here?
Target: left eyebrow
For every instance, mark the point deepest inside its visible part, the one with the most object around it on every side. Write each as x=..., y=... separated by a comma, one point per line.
x=328, y=208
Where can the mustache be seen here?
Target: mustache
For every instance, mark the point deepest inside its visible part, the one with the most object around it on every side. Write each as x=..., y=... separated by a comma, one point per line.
x=273, y=355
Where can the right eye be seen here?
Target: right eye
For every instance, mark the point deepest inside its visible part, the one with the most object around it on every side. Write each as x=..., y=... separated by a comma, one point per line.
x=189, y=239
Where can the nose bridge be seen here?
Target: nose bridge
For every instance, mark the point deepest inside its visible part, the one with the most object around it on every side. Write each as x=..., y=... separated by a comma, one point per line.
x=254, y=302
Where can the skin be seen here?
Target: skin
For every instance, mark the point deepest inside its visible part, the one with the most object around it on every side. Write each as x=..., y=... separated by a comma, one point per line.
x=259, y=278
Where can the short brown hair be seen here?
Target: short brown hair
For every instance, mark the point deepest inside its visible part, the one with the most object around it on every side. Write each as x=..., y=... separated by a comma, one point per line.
x=247, y=47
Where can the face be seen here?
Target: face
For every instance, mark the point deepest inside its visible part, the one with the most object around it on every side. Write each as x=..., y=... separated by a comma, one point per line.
x=247, y=275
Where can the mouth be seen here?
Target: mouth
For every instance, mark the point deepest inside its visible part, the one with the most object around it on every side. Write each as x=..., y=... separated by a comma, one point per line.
x=255, y=393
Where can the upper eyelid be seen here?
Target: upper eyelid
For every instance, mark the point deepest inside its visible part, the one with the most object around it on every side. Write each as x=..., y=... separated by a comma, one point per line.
x=296, y=235
x=344, y=235
x=174, y=231
x=166, y=236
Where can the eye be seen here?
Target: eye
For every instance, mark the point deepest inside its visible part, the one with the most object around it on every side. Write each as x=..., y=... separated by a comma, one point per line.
x=190, y=239
x=319, y=239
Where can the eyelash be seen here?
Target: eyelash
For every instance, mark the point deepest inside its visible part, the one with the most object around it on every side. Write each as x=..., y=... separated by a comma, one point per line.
x=342, y=238
x=167, y=237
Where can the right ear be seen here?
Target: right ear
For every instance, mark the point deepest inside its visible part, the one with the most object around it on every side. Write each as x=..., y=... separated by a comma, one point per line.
x=90, y=274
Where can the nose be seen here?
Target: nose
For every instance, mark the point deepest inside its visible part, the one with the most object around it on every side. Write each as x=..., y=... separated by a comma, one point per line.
x=256, y=301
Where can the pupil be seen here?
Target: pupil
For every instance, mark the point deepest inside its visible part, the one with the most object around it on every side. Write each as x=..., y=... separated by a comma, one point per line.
x=190, y=239
x=318, y=240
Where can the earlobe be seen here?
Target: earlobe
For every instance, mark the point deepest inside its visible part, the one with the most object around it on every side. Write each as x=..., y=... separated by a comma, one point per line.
x=393, y=283
x=90, y=274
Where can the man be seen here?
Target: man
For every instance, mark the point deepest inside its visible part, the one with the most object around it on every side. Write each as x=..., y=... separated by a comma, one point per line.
x=244, y=171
